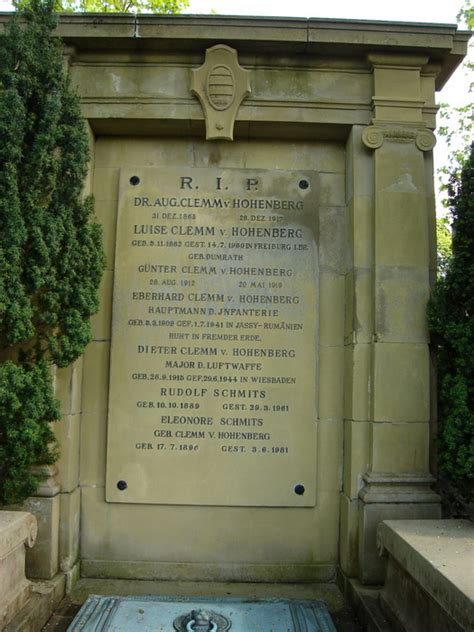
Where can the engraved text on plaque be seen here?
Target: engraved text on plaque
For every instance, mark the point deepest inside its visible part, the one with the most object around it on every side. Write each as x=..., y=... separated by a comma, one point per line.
x=214, y=338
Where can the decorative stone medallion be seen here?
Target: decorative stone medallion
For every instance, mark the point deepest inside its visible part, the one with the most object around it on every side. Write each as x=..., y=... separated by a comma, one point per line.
x=221, y=85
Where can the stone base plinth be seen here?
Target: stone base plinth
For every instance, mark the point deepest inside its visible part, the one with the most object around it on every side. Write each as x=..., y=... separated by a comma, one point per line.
x=390, y=497
x=429, y=583
x=17, y=529
x=45, y=599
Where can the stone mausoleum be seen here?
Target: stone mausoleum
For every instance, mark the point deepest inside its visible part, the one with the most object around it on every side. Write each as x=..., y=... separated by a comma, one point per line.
x=259, y=394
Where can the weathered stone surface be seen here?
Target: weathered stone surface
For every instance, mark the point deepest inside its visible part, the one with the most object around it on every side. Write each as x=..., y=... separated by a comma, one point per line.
x=362, y=305
x=358, y=392
x=255, y=547
x=331, y=436
x=93, y=447
x=401, y=295
x=354, y=103
x=331, y=371
x=96, y=376
x=401, y=449
x=45, y=598
x=332, y=309
x=42, y=561
x=335, y=253
x=69, y=530
x=348, y=538
x=430, y=581
x=401, y=382
x=67, y=432
x=372, y=566
x=356, y=455
x=17, y=530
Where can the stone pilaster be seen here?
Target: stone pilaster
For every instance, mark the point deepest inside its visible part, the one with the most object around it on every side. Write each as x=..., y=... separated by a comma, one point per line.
x=68, y=387
x=357, y=343
x=68, y=390
x=397, y=482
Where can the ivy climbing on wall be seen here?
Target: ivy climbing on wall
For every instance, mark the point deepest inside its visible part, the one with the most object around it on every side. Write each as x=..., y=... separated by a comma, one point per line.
x=51, y=256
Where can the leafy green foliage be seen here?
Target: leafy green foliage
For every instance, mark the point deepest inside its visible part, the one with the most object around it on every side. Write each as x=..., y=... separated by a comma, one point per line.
x=443, y=244
x=116, y=6
x=51, y=257
x=457, y=127
x=456, y=122
x=124, y=6
x=451, y=317
x=466, y=15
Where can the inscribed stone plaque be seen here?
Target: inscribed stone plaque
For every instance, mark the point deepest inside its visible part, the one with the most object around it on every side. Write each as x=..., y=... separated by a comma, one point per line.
x=214, y=338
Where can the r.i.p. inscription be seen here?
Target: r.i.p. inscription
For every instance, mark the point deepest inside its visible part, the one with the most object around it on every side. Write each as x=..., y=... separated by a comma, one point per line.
x=214, y=338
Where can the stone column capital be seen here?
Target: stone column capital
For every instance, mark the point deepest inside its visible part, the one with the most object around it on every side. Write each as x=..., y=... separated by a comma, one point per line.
x=374, y=136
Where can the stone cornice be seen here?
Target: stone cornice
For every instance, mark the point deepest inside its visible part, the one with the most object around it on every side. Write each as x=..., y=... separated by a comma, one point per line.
x=439, y=43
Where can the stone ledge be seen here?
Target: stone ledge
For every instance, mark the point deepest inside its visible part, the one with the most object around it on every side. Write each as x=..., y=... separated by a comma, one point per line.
x=430, y=571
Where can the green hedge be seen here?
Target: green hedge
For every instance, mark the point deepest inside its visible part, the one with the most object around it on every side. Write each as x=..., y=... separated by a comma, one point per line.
x=51, y=256
x=451, y=318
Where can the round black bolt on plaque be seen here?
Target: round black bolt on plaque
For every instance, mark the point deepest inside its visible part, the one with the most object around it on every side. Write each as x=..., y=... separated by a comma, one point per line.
x=122, y=485
x=299, y=489
x=134, y=180
x=303, y=184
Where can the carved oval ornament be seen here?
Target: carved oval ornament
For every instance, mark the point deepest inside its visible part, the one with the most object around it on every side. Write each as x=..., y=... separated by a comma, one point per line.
x=220, y=87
